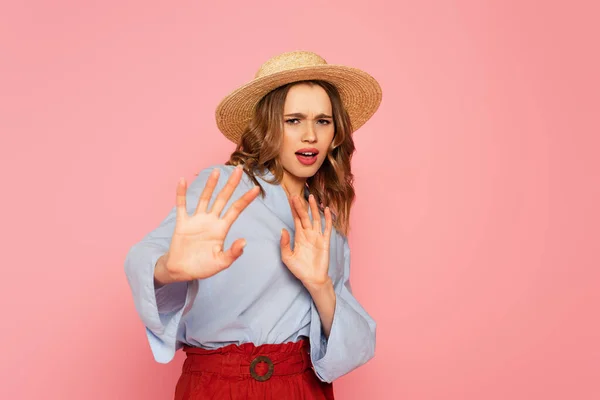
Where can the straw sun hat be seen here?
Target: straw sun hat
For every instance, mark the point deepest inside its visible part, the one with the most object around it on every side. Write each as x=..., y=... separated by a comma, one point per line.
x=359, y=91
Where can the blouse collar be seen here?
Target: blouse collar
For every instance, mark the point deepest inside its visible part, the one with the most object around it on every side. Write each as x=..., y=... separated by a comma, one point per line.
x=276, y=199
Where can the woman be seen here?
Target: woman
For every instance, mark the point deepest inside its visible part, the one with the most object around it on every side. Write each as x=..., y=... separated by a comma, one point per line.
x=249, y=273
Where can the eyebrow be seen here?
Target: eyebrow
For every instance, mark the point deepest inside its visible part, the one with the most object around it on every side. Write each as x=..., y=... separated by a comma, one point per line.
x=300, y=115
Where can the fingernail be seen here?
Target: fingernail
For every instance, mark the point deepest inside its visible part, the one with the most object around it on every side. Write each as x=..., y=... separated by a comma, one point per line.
x=243, y=244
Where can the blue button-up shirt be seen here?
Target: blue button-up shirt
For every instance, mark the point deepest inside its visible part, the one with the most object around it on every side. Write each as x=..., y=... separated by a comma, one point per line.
x=256, y=299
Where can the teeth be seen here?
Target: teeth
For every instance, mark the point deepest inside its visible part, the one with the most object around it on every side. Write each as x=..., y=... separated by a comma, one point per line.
x=308, y=154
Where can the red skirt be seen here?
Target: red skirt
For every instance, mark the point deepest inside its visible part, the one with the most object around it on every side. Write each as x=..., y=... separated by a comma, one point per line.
x=248, y=372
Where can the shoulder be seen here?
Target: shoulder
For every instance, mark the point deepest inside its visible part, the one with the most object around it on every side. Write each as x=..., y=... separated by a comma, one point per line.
x=344, y=247
x=225, y=172
x=339, y=241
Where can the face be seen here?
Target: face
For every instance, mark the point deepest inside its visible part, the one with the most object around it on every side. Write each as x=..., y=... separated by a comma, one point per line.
x=308, y=130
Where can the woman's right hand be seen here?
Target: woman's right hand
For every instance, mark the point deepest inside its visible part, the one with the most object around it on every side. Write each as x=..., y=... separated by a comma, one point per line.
x=196, y=250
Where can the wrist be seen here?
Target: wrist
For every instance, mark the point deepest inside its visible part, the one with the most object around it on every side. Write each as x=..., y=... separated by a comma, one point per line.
x=321, y=289
x=324, y=298
x=162, y=276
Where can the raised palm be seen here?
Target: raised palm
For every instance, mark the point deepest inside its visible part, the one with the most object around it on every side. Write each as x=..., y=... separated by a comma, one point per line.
x=309, y=261
x=196, y=249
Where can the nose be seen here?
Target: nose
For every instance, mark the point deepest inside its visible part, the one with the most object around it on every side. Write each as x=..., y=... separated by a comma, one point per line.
x=309, y=136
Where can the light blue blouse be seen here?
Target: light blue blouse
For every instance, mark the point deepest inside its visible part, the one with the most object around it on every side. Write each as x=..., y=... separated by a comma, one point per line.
x=256, y=299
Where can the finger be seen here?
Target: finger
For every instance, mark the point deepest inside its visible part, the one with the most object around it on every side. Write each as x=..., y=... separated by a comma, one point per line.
x=316, y=215
x=295, y=216
x=233, y=253
x=328, y=223
x=225, y=193
x=180, y=208
x=208, y=190
x=240, y=204
x=303, y=214
x=284, y=242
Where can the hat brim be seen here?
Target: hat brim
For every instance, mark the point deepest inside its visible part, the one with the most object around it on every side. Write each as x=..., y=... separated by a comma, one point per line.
x=360, y=94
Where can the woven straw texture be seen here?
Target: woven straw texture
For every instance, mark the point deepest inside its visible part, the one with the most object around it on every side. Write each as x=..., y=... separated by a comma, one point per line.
x=359, y=91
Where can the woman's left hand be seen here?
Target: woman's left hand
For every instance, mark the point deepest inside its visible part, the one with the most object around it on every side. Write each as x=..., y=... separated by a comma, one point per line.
x=309, y=261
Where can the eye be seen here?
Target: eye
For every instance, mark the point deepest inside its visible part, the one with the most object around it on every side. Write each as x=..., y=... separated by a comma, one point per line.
x=324, y=121
x=292, y=121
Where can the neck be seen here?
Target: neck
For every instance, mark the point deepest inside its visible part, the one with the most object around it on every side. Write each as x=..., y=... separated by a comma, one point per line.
x=293, y=185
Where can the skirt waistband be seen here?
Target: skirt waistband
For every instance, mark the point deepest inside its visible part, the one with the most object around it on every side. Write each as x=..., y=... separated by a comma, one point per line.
x=247, y=360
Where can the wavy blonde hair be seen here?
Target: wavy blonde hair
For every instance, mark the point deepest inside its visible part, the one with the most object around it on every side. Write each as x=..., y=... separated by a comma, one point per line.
x=260, y=143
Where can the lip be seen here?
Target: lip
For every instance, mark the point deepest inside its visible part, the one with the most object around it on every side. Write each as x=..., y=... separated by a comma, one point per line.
x=307, y=160
x=308, y=150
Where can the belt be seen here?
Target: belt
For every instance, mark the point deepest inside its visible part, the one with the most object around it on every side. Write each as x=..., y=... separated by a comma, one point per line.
x=258, y=362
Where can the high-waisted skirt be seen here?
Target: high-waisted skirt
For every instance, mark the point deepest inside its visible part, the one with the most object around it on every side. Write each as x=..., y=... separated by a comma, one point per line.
x=248, y=372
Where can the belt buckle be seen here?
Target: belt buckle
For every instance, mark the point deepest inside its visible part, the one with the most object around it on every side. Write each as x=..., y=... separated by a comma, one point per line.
x=265, y=359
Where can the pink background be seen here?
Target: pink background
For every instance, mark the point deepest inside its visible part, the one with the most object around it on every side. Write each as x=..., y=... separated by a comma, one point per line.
x=475, y=233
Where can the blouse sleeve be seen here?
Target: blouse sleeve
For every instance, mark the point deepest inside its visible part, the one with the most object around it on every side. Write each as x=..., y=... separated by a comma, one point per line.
x=161, y=309
x=351, y=341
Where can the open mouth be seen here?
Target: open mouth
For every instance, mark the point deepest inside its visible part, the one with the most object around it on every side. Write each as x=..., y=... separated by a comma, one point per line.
x=307, y=156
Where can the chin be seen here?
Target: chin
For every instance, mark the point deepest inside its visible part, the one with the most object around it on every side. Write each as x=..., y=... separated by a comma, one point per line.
x=304, y=171
x=307, y=172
